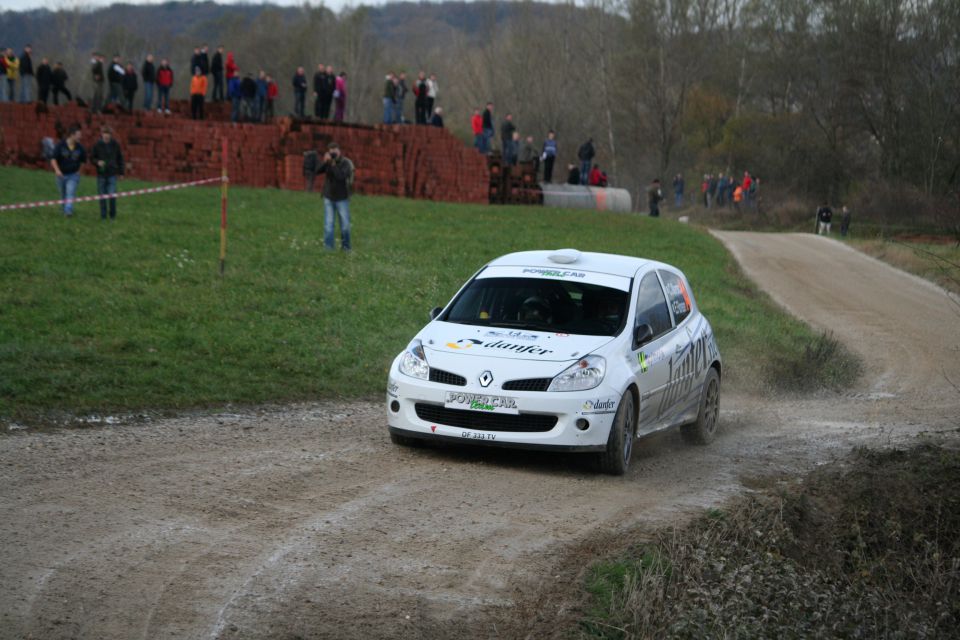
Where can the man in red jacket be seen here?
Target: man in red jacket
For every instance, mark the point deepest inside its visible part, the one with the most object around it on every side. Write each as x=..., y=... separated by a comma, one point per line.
x=164, y=83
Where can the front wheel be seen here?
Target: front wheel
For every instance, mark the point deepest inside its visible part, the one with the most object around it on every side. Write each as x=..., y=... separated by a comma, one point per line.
x=616, y=458
x=704, y=428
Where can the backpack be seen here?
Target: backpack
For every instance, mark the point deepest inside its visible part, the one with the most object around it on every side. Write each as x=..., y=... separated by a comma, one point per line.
x=48, y=146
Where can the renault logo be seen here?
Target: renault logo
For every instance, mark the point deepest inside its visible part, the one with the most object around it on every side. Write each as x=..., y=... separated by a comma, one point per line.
x=485, y=379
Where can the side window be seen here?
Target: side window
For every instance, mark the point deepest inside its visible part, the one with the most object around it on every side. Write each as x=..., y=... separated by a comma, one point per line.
x=652, y=306
x=677, y=295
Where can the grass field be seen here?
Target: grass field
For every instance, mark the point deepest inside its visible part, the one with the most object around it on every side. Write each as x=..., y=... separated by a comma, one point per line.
x=132, y=315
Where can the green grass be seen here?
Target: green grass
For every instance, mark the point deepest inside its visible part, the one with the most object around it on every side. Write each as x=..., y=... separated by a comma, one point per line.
x=98, y=316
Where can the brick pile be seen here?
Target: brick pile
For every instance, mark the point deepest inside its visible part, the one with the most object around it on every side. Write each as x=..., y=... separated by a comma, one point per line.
x=513, y=184
x=416, y=162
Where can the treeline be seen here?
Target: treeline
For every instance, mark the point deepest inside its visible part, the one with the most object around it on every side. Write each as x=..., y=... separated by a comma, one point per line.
x=819, y=98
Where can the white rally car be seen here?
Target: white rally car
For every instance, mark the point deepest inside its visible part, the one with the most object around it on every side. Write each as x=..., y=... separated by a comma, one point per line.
x=560, y=350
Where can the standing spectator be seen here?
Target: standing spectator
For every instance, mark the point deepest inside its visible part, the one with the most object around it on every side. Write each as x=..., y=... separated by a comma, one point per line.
x=248, y=91
x=328, y=88
x=195, y=59
x=336, y=195
x=3, y=75
x=507, y=129
x=299, y=92
x=164, y=84
x=68, y=156
x=97, y=71
x=401, y=84
x=573, y=174
x=130, y=86
x=58, y=82
x=844, y=221
x=216, y=67
x=752, y=191
x=711, y=190
x=476, y=125
x=13, y=73
x=737, y=196
x=340, y=97
x=720, y=197
x=747, y=184
x=44, y=78
x=198, y=91
x=311, y=162
x=585, y=154
x=318, y=81
x=528, y=152
x=654, y=196
x=421, y=104
x=148, y=73
x=272, y=92
x=261, y=97
x=731, y=187
x=678, y=188
x=437, y=119
x=108, y=159
x=236, y=95
x=26, y=75
x=433, y=91
x=704, y=187
x=549, y=155
x=231, y=67
x=115, y=78
x=389, y=97
x=488, y=132
x=205, y=61
x=824, y=218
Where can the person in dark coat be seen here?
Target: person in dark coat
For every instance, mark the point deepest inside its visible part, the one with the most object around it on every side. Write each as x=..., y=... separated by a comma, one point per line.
x=319, y=78
x=130, y=86
x=58, y=82
x=299, y=92
x=108, y=159
x=44, y=79
x=654, y=196
x=216, y=68
x=437, y=119
x=115, y=78
x=248, y=91
x=573, y=174
x=327, y=90
x=507, y=130
x=487, y=129
x=421, y=104
x=26, y=75
x=585, y=154
x=337, y=187
x=148, y=73
x=99, y=76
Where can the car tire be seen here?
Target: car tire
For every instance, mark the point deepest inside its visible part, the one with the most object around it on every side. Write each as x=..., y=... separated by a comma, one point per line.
x=405, y=441
x=623, y=431
x=704, y=429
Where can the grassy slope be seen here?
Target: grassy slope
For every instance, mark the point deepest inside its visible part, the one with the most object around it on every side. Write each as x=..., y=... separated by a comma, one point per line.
x=97, y=316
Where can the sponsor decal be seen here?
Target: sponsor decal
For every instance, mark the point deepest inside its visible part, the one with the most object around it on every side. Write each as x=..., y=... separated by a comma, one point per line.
x=554, y=273
x=646, y=360
x=433, y=428
x=480, y=402
x=686, y=369
x=468, y=343
x=642, y=359
x=516, y=335
x=392, y=388
x=599, y=406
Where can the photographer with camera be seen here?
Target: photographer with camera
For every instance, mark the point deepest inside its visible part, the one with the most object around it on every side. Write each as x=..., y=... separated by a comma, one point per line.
x=337, y=187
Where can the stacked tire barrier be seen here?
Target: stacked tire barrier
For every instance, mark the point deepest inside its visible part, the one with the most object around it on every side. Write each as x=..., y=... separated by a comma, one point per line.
x=417, y=162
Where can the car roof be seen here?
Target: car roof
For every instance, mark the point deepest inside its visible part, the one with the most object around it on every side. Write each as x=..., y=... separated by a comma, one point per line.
x=571, y=259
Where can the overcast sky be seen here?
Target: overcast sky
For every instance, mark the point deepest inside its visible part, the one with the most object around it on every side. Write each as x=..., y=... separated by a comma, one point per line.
x=21, y=5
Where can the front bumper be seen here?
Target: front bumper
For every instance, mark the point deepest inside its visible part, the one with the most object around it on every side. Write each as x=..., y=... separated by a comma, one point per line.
x=542, y=420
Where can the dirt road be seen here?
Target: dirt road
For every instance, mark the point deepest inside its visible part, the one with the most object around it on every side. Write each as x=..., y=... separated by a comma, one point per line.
x=306, y=522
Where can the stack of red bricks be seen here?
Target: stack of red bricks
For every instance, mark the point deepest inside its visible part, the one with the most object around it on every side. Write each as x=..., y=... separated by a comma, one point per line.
x=412, y=161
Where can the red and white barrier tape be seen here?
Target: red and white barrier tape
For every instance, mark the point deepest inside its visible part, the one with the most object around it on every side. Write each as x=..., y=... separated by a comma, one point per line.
x=122, y=194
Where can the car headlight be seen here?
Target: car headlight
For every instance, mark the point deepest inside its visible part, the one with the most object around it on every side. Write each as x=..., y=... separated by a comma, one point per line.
x=414, y=362
x=584, y=374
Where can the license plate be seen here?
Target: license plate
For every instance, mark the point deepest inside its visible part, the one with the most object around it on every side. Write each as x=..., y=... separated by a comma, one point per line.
x=481, y=402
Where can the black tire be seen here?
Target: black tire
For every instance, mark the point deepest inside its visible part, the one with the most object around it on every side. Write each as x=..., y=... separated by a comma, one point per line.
x=405, y=441
x=704, y=429
x=623, y=431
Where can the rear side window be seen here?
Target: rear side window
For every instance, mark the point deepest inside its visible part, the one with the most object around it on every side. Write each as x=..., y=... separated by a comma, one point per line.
x=652, y=306
x=677, y=295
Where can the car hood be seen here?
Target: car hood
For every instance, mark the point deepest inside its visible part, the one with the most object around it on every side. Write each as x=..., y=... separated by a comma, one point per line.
x=538, y=346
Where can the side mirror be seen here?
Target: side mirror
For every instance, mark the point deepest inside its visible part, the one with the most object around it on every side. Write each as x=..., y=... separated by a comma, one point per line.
x=436, y=311
x=642, y=334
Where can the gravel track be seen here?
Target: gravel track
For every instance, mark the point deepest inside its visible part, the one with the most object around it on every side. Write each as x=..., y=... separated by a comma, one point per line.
x=305, y=521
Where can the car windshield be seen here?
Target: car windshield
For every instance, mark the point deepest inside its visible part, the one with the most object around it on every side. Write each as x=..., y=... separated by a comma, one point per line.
x=536, y=304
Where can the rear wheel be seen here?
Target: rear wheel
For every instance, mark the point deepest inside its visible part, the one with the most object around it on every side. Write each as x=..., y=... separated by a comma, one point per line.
x=616, y=458
x=704, y=428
